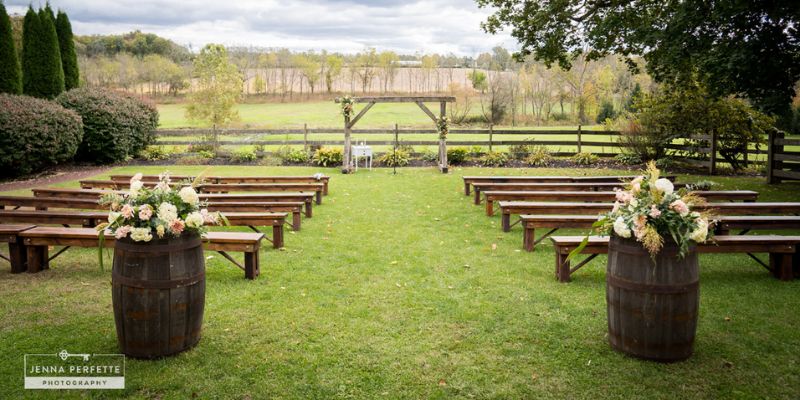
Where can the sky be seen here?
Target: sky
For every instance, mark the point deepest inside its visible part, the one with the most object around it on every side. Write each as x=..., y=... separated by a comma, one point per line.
x=347, y=26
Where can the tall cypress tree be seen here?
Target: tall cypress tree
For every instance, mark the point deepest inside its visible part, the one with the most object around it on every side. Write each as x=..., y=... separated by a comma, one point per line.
x=31, y=35
x=69, y=60
x=10, y=73
x=53, y=73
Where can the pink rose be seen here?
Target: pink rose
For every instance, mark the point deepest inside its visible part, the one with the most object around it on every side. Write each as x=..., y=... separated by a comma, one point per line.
x=680, y=207
x=654, y=211
x=209, y=218
x=127, y=211
x=176, y=226
x=122, y=231
x=145, y=212
x=616, y=207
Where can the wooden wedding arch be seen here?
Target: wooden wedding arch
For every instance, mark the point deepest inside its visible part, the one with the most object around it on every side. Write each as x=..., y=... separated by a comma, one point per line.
x=419, y=100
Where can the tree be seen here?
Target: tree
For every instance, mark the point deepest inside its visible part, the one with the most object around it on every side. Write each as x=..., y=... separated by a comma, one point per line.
x=53, y=77
x=219, y=88
x=478, y=79
x=42, y=75
x=69, y=60
x=332, y=69
x=310, y=69
x=367, y=62
x=387, y=62
x=10, y=72
x=724, y=43
x=630, y=102
x=31, y=35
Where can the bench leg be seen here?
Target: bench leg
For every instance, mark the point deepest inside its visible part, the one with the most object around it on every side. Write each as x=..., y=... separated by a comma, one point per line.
x=325, y=188
x=37, y=258
x=251, y=267
x=18, y=257
x=309, y=211
x=318, y=196
x=506, y=222
x=277, y=236
x=466, y=189
x=477, y=200
x=489, y=207
x=781, y=265
x=528, y=236
x=562, y=267
x=295, y=220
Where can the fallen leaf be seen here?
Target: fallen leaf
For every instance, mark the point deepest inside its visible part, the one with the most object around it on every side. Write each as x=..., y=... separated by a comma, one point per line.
x=727, y=318
x=494, y=246
x=393, y=262
x=442, y=382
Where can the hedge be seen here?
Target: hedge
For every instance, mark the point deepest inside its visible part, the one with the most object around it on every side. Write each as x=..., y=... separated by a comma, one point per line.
x=116, y=126
x=35, y=134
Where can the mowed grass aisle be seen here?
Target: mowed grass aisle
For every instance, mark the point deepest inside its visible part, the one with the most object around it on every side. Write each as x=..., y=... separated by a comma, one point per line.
x=399, y=287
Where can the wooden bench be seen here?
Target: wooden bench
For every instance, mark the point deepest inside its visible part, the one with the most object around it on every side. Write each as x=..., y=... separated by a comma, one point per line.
x=94, y=218
x=315, y=188
x=480, y=187
x=509, y=208
x=37, y=240
x=725, y=224
x=43, y=203
x=781, y=251
x=469, y=180
x=236, y=179
x=710, y=195
x=17, y=256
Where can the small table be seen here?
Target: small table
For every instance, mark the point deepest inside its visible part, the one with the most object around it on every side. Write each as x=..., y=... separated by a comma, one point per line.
x=365, y=152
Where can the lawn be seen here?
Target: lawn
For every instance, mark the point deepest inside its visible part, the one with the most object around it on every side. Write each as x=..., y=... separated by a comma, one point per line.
x=399, y=287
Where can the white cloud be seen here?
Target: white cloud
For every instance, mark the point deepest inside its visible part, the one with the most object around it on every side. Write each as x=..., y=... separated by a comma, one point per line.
x=440, y=26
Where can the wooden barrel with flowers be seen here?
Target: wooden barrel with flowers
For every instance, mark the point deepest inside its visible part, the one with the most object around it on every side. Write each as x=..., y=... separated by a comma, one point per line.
x=158, y=276
x=652, y=277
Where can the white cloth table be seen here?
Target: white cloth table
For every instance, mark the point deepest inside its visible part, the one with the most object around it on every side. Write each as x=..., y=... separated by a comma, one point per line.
x=362, y=151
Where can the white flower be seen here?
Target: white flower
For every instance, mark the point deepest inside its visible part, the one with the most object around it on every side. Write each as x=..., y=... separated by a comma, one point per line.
x=194, y=220
x=137, y=177
x=701, y=233
x=112, y=216
x=188, y=195
x=665, y=186
x=634, y=202
x=167, y=212
x=621, y=228
x=160, y=231
x=136, y=186
x=141, y=234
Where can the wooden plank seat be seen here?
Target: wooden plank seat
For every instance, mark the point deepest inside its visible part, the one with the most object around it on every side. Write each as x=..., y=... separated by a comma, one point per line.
x=44, y=203
x=509, y=208
x=17, y=256
x=324, y=179
x=469, y=180
x=480, y=187
x=725, y=224
x=781, y=249
x=315, y=188
x=493, y=196
x=296, y=208
x=90, y=219
x=37, y=240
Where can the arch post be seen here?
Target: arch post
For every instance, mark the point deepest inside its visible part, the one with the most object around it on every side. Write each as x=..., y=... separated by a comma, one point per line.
x=443, y=141
x=347, y=157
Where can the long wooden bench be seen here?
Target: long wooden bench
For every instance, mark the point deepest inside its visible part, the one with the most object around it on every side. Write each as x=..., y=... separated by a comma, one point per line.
x=315, y=188
x=725, y=224
x=90, y=219
x=781, y=249
x=469, y=180
x=37, y=240
x=480, y=187
x=236, y=179
x=509, y=208
x=710, y=195
x=95, y=194
x=17, y=256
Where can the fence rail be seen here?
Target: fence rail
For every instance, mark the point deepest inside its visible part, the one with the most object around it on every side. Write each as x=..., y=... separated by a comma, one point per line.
x=782, y=165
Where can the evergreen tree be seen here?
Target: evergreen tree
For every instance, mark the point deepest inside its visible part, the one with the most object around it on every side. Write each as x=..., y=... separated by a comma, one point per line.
x=53, y=73
x=630, y=102
x=31, y=63
x=10, y=73
x=69, y=60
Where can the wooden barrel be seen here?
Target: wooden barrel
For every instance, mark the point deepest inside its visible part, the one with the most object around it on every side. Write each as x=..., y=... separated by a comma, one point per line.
x=652, y=304
x=158, y=294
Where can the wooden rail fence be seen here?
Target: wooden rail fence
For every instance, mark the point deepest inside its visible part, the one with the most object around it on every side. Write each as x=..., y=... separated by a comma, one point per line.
x=782, y=165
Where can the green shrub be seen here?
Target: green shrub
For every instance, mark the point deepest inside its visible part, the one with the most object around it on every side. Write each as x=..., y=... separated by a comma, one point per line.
x=539, y=156
x=290, y=155
x=702, y=185
x=198, y=147
x=457, y=155
x=606, y=112
x=115, y=125
x=409, y=149
x=475, y=151
x=494, y=159
x=206, y=154
x=585, y=158
x=243, y=155
x=259, y=148
x=155, y=153
x=520, y=151
x=429, y=155
x=628, y=158
x=665, y=163
x=192, y=160
x=397, y=158
x=35, y=134
x=560, y=117
x=328, y=157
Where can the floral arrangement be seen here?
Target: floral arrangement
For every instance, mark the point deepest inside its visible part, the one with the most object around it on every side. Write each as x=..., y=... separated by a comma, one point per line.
x=158, y=212
x=443, y=126
x=347, y=103
x=649, y=210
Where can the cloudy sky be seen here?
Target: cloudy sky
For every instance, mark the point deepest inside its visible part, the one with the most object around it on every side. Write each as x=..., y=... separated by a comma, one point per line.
x=427, y=26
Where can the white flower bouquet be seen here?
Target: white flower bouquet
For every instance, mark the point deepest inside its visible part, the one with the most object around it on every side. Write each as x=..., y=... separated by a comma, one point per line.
x=347, y=103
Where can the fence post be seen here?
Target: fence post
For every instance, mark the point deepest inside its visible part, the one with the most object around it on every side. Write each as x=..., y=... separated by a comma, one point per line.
x=394, y=151
x=579, y=139
x=491, y=133
x=712, y=166
x=770, y=155
x=442, y=141
x=305, y=138
x=347, y=158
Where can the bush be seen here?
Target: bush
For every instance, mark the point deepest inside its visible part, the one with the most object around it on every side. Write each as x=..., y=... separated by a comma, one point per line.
x=328, y=157
x=628, y=158
x=192, y=160
x=457, y=155
x=292, y=156
x=206, y=154
x=539, y=157
x=429, y=155
x=494, y=159
x=198, y=147
x=560, y=117
x=585, y=158
x=520, y=151
x=116, y=126
x=35, y=134
x=397, y=158
x=606, y=112
x=154, y=153
x=243, y=155
x=476, y=151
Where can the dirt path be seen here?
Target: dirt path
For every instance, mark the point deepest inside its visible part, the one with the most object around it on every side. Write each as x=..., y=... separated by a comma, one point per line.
x=64, y=174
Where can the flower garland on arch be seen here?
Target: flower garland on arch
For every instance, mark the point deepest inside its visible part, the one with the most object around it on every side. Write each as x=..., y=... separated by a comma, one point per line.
x=347, y=103
x=443, y=126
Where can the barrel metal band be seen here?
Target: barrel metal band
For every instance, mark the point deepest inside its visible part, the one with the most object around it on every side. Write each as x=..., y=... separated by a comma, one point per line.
x=119, y=280
x=158, y=248
x=649, y=288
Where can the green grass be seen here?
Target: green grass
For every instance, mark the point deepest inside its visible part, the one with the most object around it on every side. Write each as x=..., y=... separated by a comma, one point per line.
x=394, y=290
